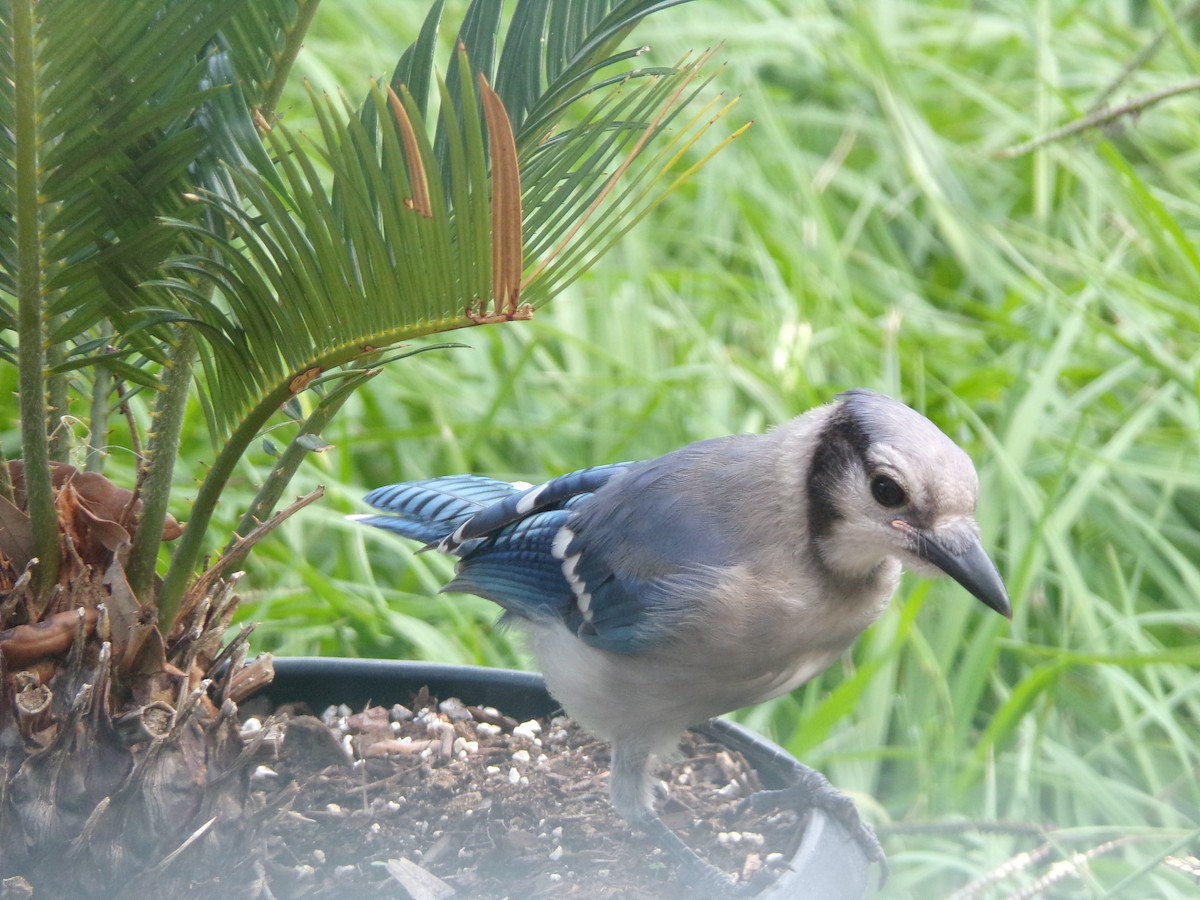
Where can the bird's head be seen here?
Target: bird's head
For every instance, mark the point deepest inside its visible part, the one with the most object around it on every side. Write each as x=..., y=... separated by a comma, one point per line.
x=885, y=482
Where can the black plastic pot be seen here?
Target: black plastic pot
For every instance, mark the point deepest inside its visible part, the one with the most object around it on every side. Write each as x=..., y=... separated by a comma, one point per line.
x=828, y=864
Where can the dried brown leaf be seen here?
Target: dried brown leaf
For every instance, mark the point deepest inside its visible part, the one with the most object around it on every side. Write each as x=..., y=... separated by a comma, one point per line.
x=131, y=625
x=507, y=261
x=16, y=537
x=100, y=499
x=412, y=157
x=50, y=637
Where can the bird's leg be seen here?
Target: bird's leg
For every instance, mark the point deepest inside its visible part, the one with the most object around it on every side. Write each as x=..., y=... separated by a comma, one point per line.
x=631, y=791
x=809, y=788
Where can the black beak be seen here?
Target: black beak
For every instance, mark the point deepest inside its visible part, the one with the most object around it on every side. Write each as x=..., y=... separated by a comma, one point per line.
x=961, y=556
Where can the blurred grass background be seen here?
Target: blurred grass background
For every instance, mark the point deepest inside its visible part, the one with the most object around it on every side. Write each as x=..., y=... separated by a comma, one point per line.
x=868, y=231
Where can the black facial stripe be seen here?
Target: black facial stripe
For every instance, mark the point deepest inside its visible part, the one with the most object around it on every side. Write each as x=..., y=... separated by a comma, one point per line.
x=841, y=448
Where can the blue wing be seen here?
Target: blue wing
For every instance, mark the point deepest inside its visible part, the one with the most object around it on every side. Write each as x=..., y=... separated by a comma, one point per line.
x=502, y=535
x=637, y=556
x=606, y=550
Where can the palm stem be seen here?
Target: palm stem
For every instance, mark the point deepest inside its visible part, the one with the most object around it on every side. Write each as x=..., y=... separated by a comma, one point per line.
x=306, y=9
x=161, y=454
x=191, y=545
x=6, y=485
x=31, y=354
x=58, y=433
x=102, y=386
x=289, y=461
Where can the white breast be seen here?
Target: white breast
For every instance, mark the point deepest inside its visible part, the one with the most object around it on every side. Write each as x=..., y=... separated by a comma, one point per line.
x=761, y=649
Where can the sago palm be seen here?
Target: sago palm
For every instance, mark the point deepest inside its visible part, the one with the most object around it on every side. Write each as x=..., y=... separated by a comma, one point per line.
x=163, y=237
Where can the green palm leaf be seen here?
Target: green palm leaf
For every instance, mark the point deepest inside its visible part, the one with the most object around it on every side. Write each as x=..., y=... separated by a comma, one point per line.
x=105, y=125
x=154, y=226
x=111, y=151
x=396, y=234
x=95, y=137
x=314, y=272
x=116, y=153
x=263, y=39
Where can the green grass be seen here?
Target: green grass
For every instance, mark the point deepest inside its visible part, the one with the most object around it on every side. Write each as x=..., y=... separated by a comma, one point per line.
x=1044, y=310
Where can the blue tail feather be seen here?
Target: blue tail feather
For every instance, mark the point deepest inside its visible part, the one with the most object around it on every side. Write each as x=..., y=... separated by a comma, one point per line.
x=427, y=511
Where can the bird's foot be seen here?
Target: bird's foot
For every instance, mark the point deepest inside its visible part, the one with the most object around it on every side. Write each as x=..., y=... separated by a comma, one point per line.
x=812, y=790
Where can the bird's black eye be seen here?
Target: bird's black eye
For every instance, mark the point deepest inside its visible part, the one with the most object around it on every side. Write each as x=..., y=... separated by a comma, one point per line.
x=887, y=492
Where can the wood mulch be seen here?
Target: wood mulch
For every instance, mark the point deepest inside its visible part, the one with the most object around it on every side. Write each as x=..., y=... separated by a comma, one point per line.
x=438, y=799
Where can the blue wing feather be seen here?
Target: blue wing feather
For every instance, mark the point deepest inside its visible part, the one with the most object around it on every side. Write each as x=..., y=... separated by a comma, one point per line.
x=427, y=511
x=554, y=494
x=501, y=534
x=626, y=544
x=516, y=569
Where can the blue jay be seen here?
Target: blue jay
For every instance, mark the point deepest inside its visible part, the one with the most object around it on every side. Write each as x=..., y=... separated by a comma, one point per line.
x=658, y=594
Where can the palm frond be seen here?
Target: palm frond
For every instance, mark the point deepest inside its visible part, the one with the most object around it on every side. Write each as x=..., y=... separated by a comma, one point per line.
x=398, y=234
x=313, y=276
x=124, y=130
x=538, y=66
x=112, y=150
x=101, y=138
x=590, y=186
x=315, y=271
